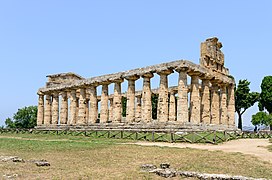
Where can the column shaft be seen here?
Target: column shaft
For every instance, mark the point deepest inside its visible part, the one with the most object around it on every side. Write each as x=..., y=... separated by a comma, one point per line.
x=93, y=110
x=182, y=104
x=40, y=114
x=82, y=107
x=87, y=106
x=206, y=102
x=231, y=105
x=146, y=99
x=195, y=101
x=215, y=104
x=172, y=107
x=130, y=113
x=163, y=100
x=224, y=110
x=138, y=109
x=73, y=107
x=64, y=108
x=48, y=110
x=104, y=114
x=55, y=108
x=111, y=109
x=117, y=102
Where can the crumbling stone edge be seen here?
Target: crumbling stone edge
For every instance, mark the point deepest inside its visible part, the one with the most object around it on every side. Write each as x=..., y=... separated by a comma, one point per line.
x=165, y=171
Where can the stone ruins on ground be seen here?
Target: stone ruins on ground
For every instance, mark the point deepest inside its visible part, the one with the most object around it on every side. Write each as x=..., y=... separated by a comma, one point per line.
x=69, y=101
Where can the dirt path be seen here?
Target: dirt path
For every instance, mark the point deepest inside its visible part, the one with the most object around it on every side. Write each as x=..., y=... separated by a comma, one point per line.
x=256, y=147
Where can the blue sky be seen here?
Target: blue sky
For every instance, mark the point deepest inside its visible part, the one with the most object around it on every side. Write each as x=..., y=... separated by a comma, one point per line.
x=93, y=38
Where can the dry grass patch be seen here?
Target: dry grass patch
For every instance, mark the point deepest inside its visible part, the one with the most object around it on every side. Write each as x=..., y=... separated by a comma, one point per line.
x=87, y=158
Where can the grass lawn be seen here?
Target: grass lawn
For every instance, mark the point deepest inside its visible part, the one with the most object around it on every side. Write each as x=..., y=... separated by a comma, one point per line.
x=75, y=157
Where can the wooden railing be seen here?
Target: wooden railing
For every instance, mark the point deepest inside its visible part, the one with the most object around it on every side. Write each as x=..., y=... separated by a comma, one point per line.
x=213, y=137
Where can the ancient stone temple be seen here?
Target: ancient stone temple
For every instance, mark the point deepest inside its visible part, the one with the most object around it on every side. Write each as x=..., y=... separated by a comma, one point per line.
x=72, y=102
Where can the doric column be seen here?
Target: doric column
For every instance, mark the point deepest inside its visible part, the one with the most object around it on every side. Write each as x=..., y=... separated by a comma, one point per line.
x=55, y=108
x=82, y=107
x=104, y=114
x=40, y=114
x=172, y=106
x=206, y=102
x=182, y=104
x=87, y=106
x=146, y=98
x=215, y=104
x=130, y=113
x=224, y=109
x=163, y=100
x=111, y=109
x=138, y=109
x=73, y=107
x=195, y=100
x=77, y=108
x=93, y=110
x=117, y=101
x=64, y=108
x=48, y=109
x=231, y=105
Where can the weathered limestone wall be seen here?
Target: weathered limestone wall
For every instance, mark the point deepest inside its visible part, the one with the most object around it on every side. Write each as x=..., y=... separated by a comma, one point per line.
x=70, y=100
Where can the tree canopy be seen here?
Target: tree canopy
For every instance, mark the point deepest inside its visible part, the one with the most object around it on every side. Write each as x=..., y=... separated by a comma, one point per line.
x=23, y=118
x=261, y=118
x=265, y=101
x=244, y=99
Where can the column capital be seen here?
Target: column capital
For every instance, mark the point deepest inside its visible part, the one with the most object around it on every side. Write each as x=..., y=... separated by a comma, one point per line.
x=182, y=69
x=40, y=93
x=132, y=78
x=195, y=73
x=118, y=80
x=148, y=75
x=165, y=72
x=173, y=91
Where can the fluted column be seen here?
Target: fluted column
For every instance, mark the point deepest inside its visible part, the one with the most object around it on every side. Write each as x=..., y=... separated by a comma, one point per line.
x=163, y=100
x=87, y=106
x=117, y=101
x=195, y=100
x=48, y=109
x=138, y=109
x=172, y=107
x=40, y=114
x=146, y=98
x=82, y=107
x=215, y=104
x=130, y=113
x=182, y=104
x=73, y=107
x=104, y=114
x=93, y=110
x=111, y=109
x=224, y=109
x=206, y=102
x=231, y=105
x=55, y=108
x=64, y=108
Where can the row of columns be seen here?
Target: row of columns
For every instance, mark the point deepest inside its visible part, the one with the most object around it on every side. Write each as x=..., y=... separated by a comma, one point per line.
x=206, y=104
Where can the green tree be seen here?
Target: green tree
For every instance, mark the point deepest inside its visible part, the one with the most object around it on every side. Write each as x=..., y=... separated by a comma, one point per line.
x=261, y=118
x=9, y=123
x=265, y=101
x=244, y=99
x=23, y=118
